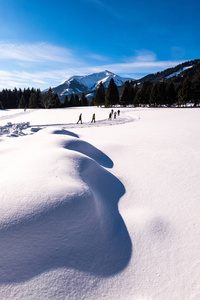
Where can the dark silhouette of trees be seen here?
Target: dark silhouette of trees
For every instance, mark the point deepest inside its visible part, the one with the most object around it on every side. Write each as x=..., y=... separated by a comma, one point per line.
x=22, y=102
x=170, y=94
x=154, y=95
x=145, y=92
x=99, y=98
x=76, y=100
x=125, y=98
x=56, y=101
x=185, y=92
x=66, y=102
x=196, y=86
x=72, y=101
x=83, y=100
x=112, y=94
x=33, y=101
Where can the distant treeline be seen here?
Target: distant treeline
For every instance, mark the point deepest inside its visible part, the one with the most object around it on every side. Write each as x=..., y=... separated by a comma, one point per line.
x=160, y=93
x=32, y=98
x=27, y=98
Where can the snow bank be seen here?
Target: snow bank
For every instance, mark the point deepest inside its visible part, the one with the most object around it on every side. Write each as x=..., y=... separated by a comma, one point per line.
x=62, y=209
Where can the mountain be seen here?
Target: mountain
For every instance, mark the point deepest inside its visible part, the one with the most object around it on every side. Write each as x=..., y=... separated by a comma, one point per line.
x=87, y=84
x=176, y=74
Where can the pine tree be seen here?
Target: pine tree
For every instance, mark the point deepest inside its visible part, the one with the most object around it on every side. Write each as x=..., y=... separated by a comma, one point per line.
x=99, y=98
x=56, y=101
x=170, y=94
x=22, y=102
x=196, y=86
x=162, y=96
x=15, y=97
x=39, y=96
x=83, y=100
x=72, y=101
x=145, y=92
x=65, y=104
x=185, y=92
x=154, y=96
x=133, y=91
x=137, y=100
x=27, y=93
x=33, y=101
x=112, y=94
x=76, y=100
x=19, y=94
x=125, y=98
x=179, y=93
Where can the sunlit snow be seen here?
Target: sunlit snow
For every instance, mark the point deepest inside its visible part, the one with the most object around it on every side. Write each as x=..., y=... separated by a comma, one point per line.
x=104, y=210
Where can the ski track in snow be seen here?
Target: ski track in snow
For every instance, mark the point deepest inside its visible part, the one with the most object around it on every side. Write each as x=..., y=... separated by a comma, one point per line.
x=12, y=116
x=19, y=129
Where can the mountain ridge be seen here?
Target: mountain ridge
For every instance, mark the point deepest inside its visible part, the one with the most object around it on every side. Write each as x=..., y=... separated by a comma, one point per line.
x=176, y=74
x=88, y=84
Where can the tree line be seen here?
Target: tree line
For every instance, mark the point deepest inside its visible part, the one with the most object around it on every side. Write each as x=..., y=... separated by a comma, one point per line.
x=34, y=98
x=28, y=98
x=160, y=93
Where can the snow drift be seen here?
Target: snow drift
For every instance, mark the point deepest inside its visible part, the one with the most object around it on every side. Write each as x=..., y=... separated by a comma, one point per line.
x=65, y=214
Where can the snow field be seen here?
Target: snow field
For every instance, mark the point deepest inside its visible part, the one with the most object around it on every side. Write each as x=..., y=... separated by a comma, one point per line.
x=95, y=211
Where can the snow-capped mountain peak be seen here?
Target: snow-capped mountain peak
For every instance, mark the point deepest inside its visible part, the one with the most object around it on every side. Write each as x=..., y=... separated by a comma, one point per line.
x=87, y=83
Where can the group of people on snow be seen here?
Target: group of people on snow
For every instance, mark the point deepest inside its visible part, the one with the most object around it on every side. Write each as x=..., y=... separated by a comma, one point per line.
x=80, y=119
x=112, y=113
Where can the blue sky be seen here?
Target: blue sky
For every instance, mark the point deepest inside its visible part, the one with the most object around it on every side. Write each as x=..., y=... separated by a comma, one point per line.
x=42, y=43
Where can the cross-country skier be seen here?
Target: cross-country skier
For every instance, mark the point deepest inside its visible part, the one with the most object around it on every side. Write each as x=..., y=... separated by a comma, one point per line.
x=79, y=119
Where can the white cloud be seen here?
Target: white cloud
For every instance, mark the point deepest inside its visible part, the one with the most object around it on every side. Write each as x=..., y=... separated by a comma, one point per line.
x=38, y=52
x=41, y=65
x=144, y=62
x=54, y=77
x=145, y=55
x=138, y=67
x=97, y=57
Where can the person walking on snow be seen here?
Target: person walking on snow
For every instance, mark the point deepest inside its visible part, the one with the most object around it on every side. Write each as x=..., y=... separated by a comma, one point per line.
x=79, y=119
x=93, y=118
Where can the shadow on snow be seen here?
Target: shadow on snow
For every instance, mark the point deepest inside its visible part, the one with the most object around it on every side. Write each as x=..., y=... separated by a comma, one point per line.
x=84, y=232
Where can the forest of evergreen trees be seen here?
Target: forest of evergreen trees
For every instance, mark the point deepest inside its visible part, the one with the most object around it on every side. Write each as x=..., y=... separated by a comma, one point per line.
x=32, y=98
x=160, y=93
x=28, y=98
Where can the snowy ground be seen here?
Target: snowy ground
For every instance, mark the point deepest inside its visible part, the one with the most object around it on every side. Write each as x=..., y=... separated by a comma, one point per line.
x=100, y=211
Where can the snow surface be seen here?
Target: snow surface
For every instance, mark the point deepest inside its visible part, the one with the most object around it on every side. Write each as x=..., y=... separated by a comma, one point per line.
x=178, y=72
x=98, y=211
